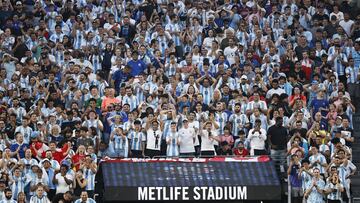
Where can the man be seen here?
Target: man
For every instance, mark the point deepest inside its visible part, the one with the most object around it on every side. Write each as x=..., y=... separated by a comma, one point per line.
x=50, y=174
x=275, y=89
x=187, y=139
x=137, y=66
x=137, y=141
x=153, y=138
x=172, y=141
x=24, y=129
x=209, y=138
x=278, y=136
x=8, y=196
x=257, y=138
x=17, y=183
x=317, y=160
x=40, y=197
x=295, y=179
x=130, y=99
x=19, y=147
x=84, y=198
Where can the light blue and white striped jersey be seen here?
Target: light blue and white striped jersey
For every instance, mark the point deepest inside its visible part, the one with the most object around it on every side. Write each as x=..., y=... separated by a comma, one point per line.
x=136, y=140
x=207, y=93
x=90, y=178
x=8, y=201
x=356, y=56
x=352, y=73
x=51, y=173
x=89, y=200
x=221, y=118
x=335, y=195
x=132, y=101
x=26, y=132
x=120, y=143
x=306, y=180
x=139, y=92
x=166, y=129
x=29, y=163
x=314, y=195
x=236, y=120
x=262, y=117
x=79, y=39
x=37, y=199
x=318, y=157
x=256, y=104
x=338, y=67
x=18, y=185
x=174, y=28
x=172, y=147
x=96, y=62
x=59, y=57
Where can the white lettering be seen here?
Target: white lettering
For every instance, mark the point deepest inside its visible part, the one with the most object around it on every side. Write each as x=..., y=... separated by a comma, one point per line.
x=226, y=193
x=219, y=193
x=151, y=193
x=159, y=190
x=164, y=194
x=185, y=193
x=241, y=192
x=203, y=193
x=142, y=193
x=232, y=193
x=177, y=192
x=211, y=195
x=171, y=193
x=197, y=195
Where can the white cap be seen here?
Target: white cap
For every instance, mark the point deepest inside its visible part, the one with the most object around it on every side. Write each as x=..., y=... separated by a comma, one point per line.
x=244, y=77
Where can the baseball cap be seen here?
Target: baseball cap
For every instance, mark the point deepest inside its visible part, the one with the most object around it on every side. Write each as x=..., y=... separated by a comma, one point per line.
x=18, y=3
x=244, y=77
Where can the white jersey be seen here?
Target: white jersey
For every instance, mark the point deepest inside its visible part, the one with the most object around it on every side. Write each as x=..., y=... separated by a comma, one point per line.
x=187, y=138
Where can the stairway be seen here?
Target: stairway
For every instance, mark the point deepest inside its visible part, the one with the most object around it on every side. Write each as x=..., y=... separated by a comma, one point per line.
x=355, y=181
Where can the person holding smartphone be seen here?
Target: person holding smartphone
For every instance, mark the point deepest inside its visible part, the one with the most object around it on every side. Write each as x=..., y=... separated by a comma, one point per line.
x=334, y=189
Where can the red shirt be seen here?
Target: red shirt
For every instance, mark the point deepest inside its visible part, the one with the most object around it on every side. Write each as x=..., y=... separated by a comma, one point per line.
x=243, y=153
x=76, y=160
x=58, y=154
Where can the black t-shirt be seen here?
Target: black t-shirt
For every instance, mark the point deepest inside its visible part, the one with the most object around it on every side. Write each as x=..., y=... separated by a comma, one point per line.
x=60, y=197
x=278, y=136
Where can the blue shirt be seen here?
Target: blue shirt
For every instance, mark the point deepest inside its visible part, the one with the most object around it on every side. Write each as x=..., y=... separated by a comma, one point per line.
x=14, y=147
x=316, y=104
x=137, y=67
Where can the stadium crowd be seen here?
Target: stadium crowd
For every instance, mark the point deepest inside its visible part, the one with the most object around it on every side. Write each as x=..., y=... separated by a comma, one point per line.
x=84, y=80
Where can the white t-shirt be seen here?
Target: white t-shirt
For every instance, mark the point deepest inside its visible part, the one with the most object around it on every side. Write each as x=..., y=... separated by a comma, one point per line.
x=62, y=186
x=151, y=137
x=187, y=137
x=207, y=144
x=230, y=54
x=195, y=125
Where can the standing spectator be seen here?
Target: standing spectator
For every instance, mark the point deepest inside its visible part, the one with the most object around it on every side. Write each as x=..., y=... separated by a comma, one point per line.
x=314, y=191
x=278, y=136
x=257, y=138
x=187, y=138
x=172, y=141
x=137, y=141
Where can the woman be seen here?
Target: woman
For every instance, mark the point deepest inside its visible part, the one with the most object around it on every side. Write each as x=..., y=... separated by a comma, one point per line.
x=209, y=40
x=79, y=157
x=297, y=95
x=21, y=198
x=55, y=134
